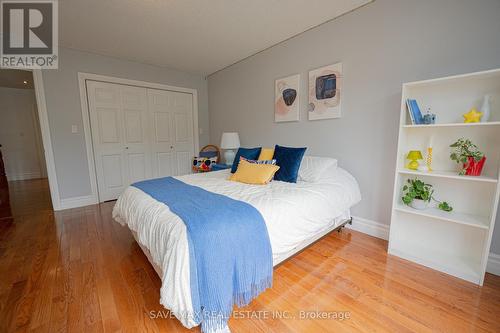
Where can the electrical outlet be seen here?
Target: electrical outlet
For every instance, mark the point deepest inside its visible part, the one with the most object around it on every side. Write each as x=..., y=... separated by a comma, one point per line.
x=74, y=129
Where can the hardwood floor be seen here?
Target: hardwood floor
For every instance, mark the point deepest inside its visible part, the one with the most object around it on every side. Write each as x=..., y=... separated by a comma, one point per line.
x=29, y=196
x=78, y=271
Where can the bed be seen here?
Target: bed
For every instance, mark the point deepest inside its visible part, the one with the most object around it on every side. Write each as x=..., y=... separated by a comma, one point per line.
x=295, y=215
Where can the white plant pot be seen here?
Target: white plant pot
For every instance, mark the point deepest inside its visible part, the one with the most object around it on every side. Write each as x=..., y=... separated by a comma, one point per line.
x=419, y=204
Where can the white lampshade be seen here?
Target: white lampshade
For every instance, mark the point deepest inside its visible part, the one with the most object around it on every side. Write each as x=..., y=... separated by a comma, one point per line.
x=230, y=140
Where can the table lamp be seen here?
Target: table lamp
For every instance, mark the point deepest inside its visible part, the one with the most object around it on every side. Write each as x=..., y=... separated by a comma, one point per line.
x=229, y=142
x=414, y=156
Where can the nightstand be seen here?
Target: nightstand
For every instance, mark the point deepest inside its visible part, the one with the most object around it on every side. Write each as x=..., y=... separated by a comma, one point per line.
x=218, y=167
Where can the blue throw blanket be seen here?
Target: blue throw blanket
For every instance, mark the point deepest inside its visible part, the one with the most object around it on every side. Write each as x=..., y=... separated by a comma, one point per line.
x=229, y=249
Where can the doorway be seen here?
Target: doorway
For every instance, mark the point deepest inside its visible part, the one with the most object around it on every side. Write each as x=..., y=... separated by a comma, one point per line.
x=21, y=143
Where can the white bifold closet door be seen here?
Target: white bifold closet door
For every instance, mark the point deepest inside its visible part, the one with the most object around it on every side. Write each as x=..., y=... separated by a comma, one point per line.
x=172, y=137
x=138, y=133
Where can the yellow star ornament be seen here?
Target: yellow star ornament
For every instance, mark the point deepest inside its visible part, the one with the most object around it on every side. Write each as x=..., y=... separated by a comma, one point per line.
x=472, y=116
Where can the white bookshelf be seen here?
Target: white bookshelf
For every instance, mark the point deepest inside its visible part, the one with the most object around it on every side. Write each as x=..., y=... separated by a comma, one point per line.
x=458, y=242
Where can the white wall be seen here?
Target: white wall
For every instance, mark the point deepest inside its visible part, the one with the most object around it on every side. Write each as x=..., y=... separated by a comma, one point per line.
x=64, y=109
x=381, y=45
x=19, y=134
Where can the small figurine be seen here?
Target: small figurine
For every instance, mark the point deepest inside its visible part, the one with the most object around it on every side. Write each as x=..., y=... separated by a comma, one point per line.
x=473, y=116
x=429, y=118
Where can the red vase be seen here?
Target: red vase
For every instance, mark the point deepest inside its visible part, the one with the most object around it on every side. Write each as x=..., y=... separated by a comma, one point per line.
x=473, y=168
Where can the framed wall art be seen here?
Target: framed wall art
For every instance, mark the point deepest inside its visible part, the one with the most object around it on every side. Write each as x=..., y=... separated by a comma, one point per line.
x=325, y=88
x=286, y=99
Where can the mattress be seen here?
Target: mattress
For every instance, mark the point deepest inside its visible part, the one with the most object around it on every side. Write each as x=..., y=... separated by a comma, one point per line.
x=293, y=213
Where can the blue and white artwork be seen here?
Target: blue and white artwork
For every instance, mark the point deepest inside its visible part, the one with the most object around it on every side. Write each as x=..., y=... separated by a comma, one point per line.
x=325, y=92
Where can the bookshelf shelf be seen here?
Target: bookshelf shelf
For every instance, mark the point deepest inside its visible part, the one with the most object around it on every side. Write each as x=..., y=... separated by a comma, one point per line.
x=449, y=175
x=490, y=123
x=457, y=242
x=460, y=218
x=461, y=267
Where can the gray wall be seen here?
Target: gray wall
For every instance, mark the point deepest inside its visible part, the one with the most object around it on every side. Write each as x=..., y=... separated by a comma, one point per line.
x=19, y=134
x=64, y=109
x=381, y=45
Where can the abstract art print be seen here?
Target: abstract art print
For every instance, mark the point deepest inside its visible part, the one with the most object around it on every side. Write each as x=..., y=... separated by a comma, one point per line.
x=286, y=99
x=325, y=87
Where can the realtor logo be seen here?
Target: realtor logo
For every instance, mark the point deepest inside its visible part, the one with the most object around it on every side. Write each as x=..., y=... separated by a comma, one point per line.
x=29, y=34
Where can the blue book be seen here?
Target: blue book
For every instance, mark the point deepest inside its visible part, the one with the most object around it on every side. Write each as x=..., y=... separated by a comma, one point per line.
x=408, y=106
x=415, y=110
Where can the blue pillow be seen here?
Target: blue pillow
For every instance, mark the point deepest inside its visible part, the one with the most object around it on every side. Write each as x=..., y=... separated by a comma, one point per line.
x=288, y=159
x=248, y=153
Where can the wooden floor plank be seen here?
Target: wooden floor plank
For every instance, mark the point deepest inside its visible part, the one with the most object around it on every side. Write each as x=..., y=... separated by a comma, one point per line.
x=79, y=271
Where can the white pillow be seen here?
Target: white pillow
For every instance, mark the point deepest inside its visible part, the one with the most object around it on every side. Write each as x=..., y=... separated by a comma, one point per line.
x=312, y=168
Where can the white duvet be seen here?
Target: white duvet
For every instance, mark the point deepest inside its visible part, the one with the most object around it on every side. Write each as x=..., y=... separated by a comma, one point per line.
x=292, y=213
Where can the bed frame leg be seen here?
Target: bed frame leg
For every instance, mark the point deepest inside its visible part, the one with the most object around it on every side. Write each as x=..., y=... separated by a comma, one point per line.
x=343, y=225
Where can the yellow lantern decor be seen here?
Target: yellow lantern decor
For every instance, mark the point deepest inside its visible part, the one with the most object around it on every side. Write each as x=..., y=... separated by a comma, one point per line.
x=427, y=167
x=429, y=159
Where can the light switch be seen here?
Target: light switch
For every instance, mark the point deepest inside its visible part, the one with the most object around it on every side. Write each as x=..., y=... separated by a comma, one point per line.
x=74, y=129
x=200, y=130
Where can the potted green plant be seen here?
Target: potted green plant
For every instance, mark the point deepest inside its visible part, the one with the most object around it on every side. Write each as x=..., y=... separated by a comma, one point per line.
x=468, y=155
x=418, y=195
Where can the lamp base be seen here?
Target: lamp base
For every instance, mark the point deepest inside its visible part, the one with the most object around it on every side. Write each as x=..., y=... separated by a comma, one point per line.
x=229, y=156
x=413, y=165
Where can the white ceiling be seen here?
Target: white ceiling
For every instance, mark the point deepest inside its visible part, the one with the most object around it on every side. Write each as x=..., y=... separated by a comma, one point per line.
x=200, y=36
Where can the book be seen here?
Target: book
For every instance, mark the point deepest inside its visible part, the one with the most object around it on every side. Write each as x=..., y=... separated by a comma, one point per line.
x=408, y=106
x=415, y=111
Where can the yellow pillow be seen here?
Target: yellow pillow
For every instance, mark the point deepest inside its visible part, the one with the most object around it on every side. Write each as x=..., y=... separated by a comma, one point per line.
x=266, y=154
x=252, y=173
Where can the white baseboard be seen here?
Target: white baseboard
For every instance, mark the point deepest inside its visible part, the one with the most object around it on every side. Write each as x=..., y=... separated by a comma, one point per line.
x=380, y=230
x=369, y=227
x=493, y=266
x=75, y=202
x=24, y=176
